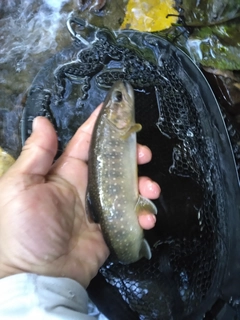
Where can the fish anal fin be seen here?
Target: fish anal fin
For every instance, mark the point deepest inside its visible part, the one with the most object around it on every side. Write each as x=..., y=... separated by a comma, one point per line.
x=145, y=250
x=144, y=204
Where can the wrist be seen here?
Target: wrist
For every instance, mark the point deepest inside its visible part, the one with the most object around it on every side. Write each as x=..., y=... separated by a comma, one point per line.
x=83, y=278
x=6, y=271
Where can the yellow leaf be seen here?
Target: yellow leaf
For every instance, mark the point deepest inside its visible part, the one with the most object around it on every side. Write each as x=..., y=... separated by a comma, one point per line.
x=149, y=15
x=5, y=161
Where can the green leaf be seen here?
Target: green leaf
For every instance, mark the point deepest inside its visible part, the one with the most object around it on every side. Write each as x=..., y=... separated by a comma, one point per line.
x=209, y=12
x=217, y=46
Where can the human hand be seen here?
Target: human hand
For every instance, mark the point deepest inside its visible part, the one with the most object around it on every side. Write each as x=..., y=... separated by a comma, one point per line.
x=43, y=225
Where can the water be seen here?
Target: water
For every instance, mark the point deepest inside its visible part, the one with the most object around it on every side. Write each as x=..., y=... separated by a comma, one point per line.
x=30, y=33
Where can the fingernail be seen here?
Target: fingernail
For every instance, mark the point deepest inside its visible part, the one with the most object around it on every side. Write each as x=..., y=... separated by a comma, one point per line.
x=141, y=151
x=151, y=185
x=35, y=124
x=151, y=218
x=146, y=220
x=154, y=187
x=141, y=154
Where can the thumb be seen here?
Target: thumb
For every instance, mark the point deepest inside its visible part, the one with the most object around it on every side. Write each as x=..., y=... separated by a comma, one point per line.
x=39, y=150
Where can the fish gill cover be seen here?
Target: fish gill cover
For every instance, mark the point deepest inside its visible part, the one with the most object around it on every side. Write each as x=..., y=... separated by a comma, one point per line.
x=195, y=259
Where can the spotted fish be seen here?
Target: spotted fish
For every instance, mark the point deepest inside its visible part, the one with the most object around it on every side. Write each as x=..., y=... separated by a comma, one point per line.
x=112, y=198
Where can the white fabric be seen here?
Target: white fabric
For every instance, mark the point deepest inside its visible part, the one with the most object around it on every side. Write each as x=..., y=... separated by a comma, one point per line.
x=29, y=296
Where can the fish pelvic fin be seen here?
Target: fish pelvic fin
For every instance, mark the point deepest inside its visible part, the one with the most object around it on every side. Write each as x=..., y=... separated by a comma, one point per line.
x=134, y=128
x=145, y=250
x=144, y=204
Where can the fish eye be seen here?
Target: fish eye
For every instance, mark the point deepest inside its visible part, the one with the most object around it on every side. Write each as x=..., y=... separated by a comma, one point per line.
x=118, y=96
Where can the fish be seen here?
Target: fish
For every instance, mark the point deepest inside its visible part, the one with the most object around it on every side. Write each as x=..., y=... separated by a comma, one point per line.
x=112, y=197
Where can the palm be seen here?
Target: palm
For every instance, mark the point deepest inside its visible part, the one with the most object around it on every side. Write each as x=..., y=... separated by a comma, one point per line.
x=43, y=207
x=53, y=229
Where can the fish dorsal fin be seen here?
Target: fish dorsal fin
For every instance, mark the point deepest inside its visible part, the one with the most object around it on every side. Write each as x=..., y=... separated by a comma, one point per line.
x=145, y=250
x=134, y=128
x=144, y=204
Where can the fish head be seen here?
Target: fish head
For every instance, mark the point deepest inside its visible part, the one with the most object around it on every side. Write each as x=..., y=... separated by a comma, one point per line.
x=119, y=105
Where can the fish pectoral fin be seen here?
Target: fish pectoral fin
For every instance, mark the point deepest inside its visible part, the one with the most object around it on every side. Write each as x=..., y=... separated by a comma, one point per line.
x=134, y=128
x=91, y=214
x=144, y=204
x=145, y=250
